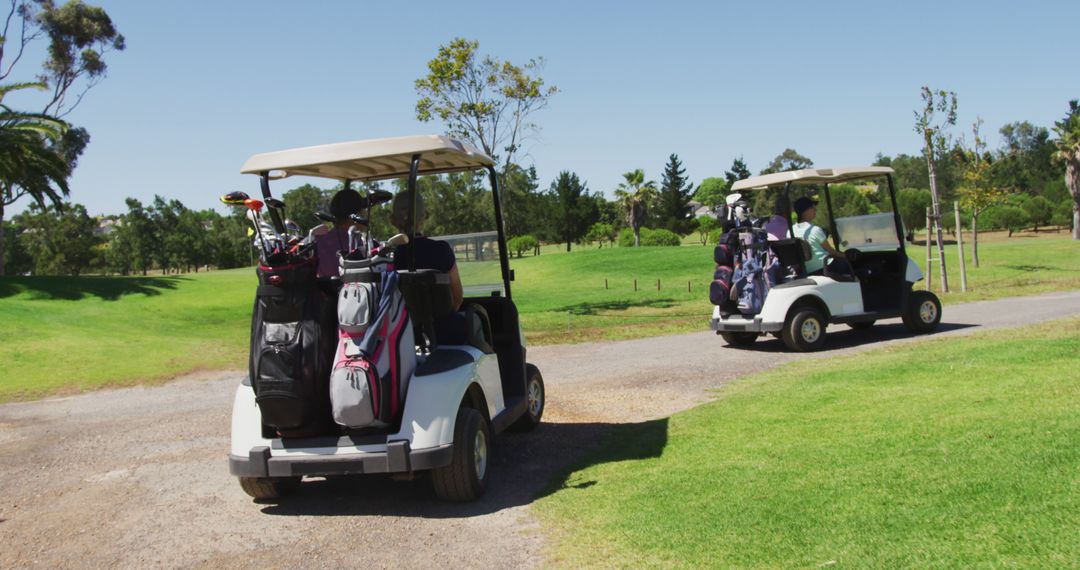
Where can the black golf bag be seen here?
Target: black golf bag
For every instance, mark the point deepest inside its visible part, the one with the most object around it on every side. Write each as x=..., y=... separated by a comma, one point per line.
x=292, y=347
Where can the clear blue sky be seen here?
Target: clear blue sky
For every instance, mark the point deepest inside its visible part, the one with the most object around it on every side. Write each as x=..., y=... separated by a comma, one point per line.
x=203, y=85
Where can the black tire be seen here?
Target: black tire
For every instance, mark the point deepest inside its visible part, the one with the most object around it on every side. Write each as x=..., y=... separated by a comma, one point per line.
x=535, y=400
x=861, y=325
x=739, y=338
x=465, y=479
x=805, y=331
x=923, y=312
x=269, y=487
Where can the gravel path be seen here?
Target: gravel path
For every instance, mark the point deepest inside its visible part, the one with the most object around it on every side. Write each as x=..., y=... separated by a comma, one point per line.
x=137, y=478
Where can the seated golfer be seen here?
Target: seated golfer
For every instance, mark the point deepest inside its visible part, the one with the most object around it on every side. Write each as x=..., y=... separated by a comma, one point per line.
x=330, y=241
x=821, y=253
x=777, y=226
x=430, y=254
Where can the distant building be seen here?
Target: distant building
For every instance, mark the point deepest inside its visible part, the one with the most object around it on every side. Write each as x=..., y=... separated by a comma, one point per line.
x=107, y=226
x=700, y=210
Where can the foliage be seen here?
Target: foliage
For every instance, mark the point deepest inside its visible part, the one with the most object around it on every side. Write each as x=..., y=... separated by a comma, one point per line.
x=303, y=202
x=850, y=444
x=706, y=225
x=913, y=203
x=673, y=210
x=847, y=200
x=60, y=239
x=711, y=192
x=521, y=244
x=1063, y=215
x=574, y=210
x=1008, y=217
x=636, y=196
x=482, y=99
x=601, y=232
x=1067, y=144
x=738, y=171
x=787, y=160
x=660, y=237
x=1039, y=211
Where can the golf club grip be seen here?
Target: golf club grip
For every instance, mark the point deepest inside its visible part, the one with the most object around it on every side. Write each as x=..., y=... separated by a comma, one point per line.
x=275, y=216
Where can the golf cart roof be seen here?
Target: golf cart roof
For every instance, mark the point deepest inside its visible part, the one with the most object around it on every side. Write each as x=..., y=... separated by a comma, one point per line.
x=810, y=176
x=374, y=159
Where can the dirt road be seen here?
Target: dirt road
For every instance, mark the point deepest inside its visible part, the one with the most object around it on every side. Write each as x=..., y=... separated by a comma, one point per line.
x=137, y=478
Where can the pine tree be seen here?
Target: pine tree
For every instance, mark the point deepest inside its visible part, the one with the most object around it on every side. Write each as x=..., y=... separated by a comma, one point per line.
x=673, y=210
x=738, y=171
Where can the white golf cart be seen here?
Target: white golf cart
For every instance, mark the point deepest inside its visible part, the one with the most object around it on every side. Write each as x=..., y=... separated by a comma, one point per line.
x=875, y=282
x=459, y=396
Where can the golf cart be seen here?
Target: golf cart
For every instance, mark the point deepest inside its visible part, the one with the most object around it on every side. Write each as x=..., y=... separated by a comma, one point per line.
x=875, y=279
x=461, y=392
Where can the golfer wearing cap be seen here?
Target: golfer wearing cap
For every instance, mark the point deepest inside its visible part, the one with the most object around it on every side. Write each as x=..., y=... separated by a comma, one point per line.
x=821, y=253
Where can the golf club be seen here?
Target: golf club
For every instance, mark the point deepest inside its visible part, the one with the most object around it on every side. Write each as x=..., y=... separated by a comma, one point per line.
x=256, y=206
x=234, y=198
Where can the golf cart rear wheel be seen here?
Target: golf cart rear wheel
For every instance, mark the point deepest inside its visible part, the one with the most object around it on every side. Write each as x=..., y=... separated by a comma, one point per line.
x=923, y=312
x=805, y=331
x=269, y=487
x=739, y=338
x=861, y=325
x=535, y=398
x=465, y=479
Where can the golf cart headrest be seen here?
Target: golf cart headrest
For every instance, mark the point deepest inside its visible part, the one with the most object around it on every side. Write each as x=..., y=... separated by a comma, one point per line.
x=427, y=294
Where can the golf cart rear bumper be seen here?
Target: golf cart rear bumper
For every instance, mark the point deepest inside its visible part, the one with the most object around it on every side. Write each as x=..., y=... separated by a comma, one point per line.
x=742, y=324
x=397, y=458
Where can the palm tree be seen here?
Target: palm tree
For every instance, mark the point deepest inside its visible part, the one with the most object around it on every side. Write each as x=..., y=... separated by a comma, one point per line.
x=31, y=162
x=635, y=195
x=1068, y=151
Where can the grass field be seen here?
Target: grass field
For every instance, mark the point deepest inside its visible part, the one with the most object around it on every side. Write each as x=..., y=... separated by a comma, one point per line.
x=944, y=453
x=64, y=333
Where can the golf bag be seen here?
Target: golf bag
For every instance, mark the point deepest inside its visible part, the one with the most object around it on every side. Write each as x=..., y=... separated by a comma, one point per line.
x=292, y=345
x=720, y=288
x=376, y=351
x=756, y=271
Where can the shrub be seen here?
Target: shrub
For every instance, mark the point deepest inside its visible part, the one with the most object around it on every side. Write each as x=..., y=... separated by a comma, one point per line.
x=1039, y=211
x=521, y=244
x=660, y=237
x=1063, y=214
x=626, y=237
x=600, y=232
x=1011, y=218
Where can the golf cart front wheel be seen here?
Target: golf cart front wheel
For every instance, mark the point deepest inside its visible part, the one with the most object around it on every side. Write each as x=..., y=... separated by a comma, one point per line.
x=805, y=331
x=269, y=487
x=535, y=398
x=923, y=312
x=465, y=479
x=739, y=338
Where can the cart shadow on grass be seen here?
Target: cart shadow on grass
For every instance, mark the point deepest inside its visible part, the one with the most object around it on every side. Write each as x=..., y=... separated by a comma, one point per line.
x=524, y=468
x=68, y=288
x=841, y=337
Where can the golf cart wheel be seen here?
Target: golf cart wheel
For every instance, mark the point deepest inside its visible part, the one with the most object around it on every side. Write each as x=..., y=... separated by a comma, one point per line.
x=535, y=398
x=269, y=487
x=465, y=479
x=861, y=325
x=923, y=312
x=805, y=332
x=739, y=338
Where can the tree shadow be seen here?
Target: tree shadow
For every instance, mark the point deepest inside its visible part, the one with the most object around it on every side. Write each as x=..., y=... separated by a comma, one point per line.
x=1029, y=268
x=842, y=337
x=76, y=288
x=592, y=308
x=524, y=467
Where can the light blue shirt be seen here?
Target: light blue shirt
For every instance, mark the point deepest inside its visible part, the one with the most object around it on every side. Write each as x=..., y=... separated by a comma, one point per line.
x=814, y=236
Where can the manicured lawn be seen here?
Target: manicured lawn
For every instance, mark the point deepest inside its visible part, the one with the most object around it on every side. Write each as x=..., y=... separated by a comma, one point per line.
x=944, y=453
x=64, y=333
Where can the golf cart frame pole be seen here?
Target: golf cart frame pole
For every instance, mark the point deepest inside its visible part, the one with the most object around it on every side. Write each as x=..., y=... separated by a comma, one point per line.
x=787, y=199
x=504, y=260
x=414, y=168
x=832, y=218
x=275, y=217
x=897, y=220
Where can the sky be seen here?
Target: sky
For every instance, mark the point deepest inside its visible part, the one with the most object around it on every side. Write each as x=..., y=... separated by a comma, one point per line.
x=203, y=85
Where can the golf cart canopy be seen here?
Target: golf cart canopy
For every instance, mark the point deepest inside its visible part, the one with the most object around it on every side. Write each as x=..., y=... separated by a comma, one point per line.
x=810, y=176
x=375, y=159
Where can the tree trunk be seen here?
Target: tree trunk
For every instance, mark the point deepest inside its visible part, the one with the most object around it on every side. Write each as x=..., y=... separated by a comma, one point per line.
x=1072, y=180
x=637, y=236
x=2, y=250
x=567, y=245
x=975, y=238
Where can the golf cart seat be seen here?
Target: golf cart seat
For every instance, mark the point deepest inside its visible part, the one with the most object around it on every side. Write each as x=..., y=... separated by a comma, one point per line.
x=792, y=252
x=431, y=307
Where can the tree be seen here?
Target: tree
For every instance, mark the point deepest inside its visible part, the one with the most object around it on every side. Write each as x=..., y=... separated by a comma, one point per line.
x=978, y=189
x=1024, y=160
x=706, y=225
x=1039, y=211
x=738, y=171
x=711, y=192
x=936, y=141
x=673, y=210
x=304, y=201
x=574, y=211
x=59, y=238
x=787, y=160
x=79, y=36
x=636, y=197
x=1067, y=144
x=484, y=100
x=1011, y=218
x=912, y=203
x=521, y=244
x=601, y=232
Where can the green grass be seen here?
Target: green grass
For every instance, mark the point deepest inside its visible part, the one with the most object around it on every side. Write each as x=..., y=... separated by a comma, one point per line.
x=945, y=453
x=61, y=334
x=67, y=333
